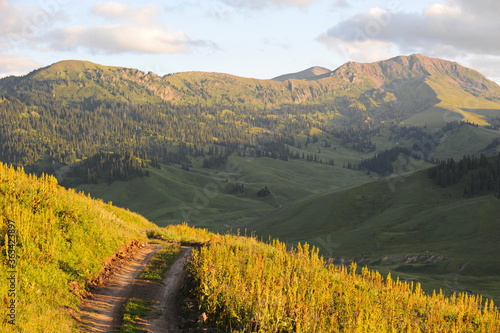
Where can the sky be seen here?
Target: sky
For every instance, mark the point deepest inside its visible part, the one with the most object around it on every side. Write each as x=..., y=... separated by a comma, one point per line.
x=250, y=38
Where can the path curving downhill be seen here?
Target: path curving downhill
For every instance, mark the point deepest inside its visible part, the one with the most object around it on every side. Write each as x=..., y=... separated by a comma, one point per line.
x=166, y=301
x=100, y=312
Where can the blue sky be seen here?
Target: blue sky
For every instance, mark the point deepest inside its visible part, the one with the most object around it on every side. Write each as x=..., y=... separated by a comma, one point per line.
x=251, y=38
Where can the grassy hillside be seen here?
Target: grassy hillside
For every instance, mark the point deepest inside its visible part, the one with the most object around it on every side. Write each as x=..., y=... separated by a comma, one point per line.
x=387, y=223
x=465, y=140
x=57, y=241
x=71, y=110
x=247, y=286
x=204, y=197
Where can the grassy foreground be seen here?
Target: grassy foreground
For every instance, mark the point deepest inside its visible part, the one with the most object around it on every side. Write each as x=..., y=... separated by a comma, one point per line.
x=53, y=241
x=248, y=286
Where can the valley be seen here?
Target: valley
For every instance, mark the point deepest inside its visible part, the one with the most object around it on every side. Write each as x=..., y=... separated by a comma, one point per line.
x=338, y=159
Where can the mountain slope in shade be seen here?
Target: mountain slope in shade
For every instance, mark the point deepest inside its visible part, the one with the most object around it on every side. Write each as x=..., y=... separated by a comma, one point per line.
x=309, y=73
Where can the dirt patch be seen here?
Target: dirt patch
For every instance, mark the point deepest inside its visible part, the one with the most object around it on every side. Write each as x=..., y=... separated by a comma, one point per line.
x=101, y=308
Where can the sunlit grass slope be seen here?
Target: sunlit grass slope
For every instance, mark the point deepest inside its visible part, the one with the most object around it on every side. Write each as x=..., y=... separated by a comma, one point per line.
x=454, y=98
x=63, y=240
x=247, y=286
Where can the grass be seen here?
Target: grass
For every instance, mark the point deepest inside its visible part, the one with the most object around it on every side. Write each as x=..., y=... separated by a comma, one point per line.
x=62, y=241
x=132, y=311
x=370, y=222
x=466, y=140
x=202, y=196
x=247, y=286
x=64, y=238
x=161, y=262
x=457, y=100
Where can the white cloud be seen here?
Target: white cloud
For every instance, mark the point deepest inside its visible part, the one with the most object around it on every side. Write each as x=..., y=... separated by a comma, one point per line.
x=363, y=50
x=442, y=10
x=455, y=27
x=21, y=23
x=16, y=65
x=120, y=39
x=137, y=30
x=116, y=10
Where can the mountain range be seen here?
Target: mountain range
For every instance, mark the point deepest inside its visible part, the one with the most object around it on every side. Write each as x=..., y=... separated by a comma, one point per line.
x=332, y=157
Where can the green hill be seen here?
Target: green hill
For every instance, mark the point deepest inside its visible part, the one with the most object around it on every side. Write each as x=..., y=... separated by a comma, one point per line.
x=207, y=197
x=247, y=286
x=405, y=224
x=54, y=241
x=72, y=110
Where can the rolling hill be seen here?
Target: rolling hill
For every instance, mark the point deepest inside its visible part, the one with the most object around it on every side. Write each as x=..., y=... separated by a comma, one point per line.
x=195, y=124
x=58, y=241
x=407, y=225
x=54, y=242
x=283, y=157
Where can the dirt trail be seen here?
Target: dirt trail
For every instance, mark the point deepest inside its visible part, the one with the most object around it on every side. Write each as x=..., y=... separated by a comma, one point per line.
x=100, y=311
x=165, y=298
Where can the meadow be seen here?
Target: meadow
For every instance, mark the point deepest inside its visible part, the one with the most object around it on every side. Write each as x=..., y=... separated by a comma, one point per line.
x=54, y=242
x=57, y=241
x=244, y=285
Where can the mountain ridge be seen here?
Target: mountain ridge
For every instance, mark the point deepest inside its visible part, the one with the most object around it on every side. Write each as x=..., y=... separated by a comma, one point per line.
x=313, y=84
x=206, y=108
x=309, y=73
x=414, y=84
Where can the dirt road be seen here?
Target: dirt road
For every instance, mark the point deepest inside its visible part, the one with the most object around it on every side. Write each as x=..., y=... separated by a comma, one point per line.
x=165, y=298
x=100, y=312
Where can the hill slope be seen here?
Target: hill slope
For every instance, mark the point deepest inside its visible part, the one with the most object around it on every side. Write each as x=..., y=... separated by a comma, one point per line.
x=309, y=73
x=207, y=197
x=54, y=118
x=58, y=241
x=405, y=224
x=73, y=109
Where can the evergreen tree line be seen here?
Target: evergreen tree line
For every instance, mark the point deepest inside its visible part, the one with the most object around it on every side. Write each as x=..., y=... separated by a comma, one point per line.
x=408, y=132
x=357, y=137
x=169, y=133
x=482, y=174
x=106, y=166
x=382, y=162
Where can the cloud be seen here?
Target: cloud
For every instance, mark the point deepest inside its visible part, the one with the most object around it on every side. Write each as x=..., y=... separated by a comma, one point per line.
x=137, y=30
x=121, y=39
x=116, y=10
x=341, y=4
x=21, y=23
x=452, y=28
x=260, y=4
x=16, y=65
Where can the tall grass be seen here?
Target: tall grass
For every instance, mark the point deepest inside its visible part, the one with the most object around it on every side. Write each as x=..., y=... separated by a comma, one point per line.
x=63, y=238
x=247, y=286
x=186, y=234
